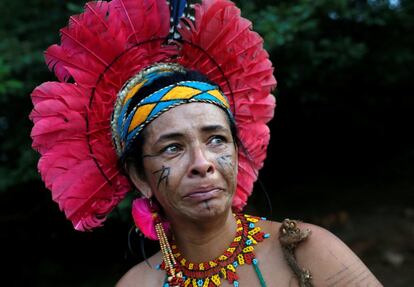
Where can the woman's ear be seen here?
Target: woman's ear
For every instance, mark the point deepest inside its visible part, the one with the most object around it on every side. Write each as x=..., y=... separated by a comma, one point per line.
x=139, y=181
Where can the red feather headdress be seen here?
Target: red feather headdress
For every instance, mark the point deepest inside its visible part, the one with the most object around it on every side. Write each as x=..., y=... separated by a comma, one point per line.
x=104, y=47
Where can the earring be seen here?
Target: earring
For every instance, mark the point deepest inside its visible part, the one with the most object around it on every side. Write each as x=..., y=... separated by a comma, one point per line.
x=174, y=275
x=145, y=215
x=147, y=219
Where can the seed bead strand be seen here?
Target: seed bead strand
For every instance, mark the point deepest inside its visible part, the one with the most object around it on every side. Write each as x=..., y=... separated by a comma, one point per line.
x=175, y=279
x=240, y=252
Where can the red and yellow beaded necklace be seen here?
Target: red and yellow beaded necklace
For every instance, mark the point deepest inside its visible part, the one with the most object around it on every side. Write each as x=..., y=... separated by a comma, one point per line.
x=211, y=273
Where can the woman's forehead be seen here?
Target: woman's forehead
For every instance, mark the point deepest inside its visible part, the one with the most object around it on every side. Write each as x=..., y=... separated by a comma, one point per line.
x=186, y=118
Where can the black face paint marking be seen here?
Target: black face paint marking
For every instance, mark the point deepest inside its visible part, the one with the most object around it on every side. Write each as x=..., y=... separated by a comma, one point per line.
x=164, y=174
x=225, y=161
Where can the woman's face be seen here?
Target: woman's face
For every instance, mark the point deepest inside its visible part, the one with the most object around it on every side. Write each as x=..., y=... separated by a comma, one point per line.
x=190, y=161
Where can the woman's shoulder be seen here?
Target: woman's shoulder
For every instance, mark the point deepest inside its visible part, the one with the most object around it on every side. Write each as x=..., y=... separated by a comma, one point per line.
x=308, y=240
x=328, y=259
x=144, y=274
x=331, y=261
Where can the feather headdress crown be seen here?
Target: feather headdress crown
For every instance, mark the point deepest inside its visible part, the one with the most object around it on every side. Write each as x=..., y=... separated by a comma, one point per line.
x=109, y=43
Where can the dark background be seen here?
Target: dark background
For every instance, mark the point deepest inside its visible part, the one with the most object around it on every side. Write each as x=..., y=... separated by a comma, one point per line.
x=341, y=154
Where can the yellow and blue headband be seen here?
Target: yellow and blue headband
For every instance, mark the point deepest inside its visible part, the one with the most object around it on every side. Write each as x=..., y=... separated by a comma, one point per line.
x=128, y=122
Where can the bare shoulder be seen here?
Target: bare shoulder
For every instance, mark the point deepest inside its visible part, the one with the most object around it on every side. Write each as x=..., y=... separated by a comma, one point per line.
x=330, y=261
x=270, y=227
x=144, y=274
x=270, y=245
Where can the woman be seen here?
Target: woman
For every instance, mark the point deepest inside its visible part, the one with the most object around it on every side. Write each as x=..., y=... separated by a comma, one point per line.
x=196, y=143
x=157, y=93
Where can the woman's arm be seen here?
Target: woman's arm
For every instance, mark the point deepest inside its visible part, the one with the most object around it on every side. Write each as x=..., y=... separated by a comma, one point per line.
x=330, y=262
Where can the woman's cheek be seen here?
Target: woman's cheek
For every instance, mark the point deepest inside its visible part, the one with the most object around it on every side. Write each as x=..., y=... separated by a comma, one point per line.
x=227, y=165
x=166, y=179
x=161, y=177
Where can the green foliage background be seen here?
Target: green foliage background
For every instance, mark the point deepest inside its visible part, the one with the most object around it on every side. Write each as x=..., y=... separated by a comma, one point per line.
x=345, y=101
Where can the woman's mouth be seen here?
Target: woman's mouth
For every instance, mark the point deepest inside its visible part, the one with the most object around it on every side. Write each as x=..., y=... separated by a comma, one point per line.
x=203, y=194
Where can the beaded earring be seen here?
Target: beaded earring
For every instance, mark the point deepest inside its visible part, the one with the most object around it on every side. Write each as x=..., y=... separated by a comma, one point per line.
x=146, y=217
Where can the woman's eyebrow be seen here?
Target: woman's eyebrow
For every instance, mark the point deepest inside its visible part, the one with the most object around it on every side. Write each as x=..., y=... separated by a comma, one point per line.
x=169, y=136
x=212, y=128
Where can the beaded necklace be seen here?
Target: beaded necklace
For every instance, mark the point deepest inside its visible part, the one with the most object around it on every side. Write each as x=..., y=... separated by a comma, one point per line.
x=211, y=273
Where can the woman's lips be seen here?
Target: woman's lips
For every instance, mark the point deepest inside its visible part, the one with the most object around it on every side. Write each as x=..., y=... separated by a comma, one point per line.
x=203, y=194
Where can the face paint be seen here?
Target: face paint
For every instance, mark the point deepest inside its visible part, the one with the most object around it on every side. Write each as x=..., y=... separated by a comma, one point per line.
x=164, y=173
x=225, y=161
x=194, y=147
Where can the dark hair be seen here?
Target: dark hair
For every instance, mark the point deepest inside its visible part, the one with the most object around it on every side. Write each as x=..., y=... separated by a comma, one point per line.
x=132, y=156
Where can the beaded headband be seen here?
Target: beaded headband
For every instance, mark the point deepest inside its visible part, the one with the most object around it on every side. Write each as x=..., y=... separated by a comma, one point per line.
x=128, y=122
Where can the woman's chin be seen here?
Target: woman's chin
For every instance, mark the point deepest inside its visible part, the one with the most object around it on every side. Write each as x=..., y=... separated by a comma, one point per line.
x=208, y=209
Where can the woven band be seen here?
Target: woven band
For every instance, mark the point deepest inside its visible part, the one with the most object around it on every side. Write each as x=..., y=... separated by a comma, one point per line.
x=128, y=122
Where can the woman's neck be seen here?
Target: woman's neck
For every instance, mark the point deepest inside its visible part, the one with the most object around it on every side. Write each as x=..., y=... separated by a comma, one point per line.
x=207, y=240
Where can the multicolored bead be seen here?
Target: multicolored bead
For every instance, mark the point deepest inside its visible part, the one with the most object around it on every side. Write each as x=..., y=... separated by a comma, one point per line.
x=240, y=252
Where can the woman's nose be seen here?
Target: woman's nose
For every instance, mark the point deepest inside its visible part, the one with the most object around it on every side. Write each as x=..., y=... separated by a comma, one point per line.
x=200, y=164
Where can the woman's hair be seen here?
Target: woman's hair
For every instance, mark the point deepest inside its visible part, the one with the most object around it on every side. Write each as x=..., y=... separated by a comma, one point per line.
x=132, y=156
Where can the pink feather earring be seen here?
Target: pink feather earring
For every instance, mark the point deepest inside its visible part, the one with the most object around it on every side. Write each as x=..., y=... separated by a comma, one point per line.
x=146, y=216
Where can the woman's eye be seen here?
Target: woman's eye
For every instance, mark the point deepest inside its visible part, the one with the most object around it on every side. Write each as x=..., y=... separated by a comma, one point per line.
x=171, y=149
x=217, y=140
